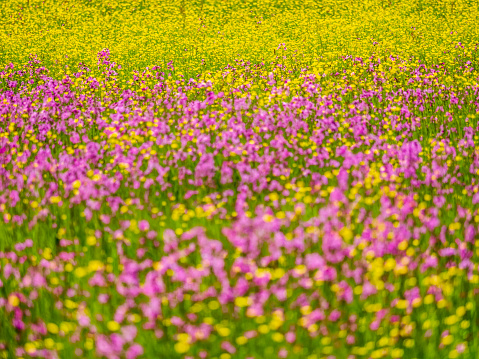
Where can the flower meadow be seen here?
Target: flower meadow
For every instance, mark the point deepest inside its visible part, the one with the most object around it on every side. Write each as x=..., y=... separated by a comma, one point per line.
x=239, y=179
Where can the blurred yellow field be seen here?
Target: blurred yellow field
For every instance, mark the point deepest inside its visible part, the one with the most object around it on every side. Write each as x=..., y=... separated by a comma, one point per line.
x=145, y=33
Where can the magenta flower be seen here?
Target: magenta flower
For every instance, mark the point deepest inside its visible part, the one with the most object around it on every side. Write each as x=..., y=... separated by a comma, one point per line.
x=134, y=351
x=143, y=226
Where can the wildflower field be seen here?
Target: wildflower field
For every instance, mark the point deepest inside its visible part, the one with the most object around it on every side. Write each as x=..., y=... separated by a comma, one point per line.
x=239, y=179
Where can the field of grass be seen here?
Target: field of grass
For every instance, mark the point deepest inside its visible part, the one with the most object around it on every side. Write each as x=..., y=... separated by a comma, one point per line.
x=239, y=179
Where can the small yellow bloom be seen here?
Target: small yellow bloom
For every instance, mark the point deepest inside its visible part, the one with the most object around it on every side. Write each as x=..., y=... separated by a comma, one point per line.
x=52, y=328
x=263, y=329
x=88, y=344
x=241, y=340
x=113, y=326
x=278, y=337
x=91, y=240
x=70, y=304
x=267, y=218
x=66, y=327
x=453, y=354
x=182, y=347
x=346, y=233
x=397, y=353
x=13, y=300
x=213, y=305
x=49, y=343
x=54, y=199
x=448, y=339
x=242, y=301
x=402, y=245
x=80, y=272
x=30, y=348
x=223, y=331
x=184, y=337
